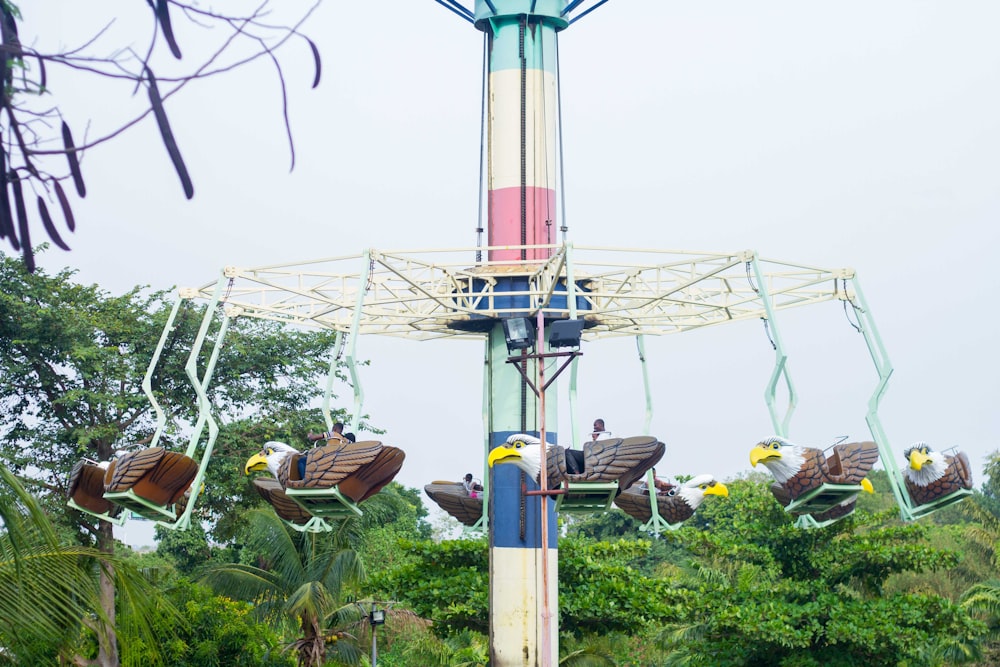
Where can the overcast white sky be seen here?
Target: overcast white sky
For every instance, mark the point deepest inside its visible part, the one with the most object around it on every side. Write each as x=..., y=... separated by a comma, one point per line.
x=860, y=134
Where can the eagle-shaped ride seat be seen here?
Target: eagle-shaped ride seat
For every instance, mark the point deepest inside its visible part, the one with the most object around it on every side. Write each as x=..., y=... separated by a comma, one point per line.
x=335, y=478
x=150, y=482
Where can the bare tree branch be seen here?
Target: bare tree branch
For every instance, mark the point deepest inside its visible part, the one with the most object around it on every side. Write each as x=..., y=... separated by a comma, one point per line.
x=30, y=137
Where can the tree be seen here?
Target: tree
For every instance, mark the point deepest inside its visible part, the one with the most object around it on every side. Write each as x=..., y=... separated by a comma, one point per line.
x=303, y=577
x=764, y=592
x=49, y=592
x=72, y=359
x=225, y=41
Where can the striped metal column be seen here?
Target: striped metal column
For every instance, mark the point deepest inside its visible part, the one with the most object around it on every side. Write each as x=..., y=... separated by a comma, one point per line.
x=522, y=120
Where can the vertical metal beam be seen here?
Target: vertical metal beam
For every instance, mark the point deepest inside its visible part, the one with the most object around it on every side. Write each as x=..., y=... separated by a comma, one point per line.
x=204, y=406
x=352, y=340
x=147, y=380
x=330, y=377
x=883, y=367
x=780, y=358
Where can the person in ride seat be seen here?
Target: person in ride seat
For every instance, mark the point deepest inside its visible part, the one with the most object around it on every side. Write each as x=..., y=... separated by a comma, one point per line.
x=472, y=487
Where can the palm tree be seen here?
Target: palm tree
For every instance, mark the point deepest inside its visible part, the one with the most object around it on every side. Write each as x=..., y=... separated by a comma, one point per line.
x=50, y=593
x=298, y=577
x=983, y=601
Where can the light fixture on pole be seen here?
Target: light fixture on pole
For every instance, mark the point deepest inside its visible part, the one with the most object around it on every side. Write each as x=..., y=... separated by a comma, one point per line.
x=565, y=333
x=519, y=333
x=376, y=617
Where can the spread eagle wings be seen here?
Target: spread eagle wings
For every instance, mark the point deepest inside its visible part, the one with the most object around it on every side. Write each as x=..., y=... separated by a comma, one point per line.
x=851, y=462
x=456, y=501
x=359, y=469
x=154, y=474
x=624, y=460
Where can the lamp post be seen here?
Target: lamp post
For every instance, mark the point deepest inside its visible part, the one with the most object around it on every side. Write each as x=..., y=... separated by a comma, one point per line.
x=376, y=617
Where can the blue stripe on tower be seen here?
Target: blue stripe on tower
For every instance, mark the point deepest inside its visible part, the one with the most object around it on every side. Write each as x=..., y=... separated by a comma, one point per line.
x=505, y=506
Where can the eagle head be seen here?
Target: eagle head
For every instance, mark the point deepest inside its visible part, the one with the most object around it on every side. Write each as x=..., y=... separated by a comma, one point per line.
x=925, y=464
x=269, y=458
x=521, y=449
x=781, y=457
x=695, y=489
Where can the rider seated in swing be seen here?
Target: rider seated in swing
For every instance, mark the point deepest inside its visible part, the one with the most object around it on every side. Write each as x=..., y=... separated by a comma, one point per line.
x=660, y=485
x=472, y=487
x=336, y=434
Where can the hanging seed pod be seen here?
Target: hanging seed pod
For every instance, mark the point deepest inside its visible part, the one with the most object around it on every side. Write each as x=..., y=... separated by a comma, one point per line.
x=163, y=16
x=316, y=60
x=22, y=222
x=64, y=203
x=74, y=163
x=168, y=136
x=50, y=228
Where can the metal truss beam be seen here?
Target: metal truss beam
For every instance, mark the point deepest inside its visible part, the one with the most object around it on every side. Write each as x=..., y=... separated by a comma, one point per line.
x=436, y=293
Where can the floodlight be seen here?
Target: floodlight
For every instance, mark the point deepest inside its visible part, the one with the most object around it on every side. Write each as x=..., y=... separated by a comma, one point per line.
x=519, y=332
x=565, y=333
x=377, y=616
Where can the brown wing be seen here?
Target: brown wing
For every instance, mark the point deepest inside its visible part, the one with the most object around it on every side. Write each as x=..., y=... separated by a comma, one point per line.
x=370, y=478
x=131, y=467
x=617, y=459
x=851, y=462
x=781, y=494
x=963, y=471
x=673, y=508
x=635, y=502
x=555, y=459
x=811, y=475
x=86, y=488
x=159, y=476
x=327, y=466
x=271, y=491
x=455, y=500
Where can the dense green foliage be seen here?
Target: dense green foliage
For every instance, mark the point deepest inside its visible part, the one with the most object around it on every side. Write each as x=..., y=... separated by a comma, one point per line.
x=737, y=586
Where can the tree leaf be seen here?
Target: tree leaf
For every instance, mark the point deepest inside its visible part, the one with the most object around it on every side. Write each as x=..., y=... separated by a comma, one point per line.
x=50, y=228
x=168, y=136
x=74, y=163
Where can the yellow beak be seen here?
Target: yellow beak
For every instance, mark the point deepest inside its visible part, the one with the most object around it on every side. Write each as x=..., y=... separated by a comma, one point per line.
x=867, y=486
x=918, y=459
x=255, y=463
x=717, y=489
x=758, y=454
x=502, y=455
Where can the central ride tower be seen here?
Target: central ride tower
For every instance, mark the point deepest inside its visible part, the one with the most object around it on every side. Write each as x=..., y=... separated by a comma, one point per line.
x=521, y=133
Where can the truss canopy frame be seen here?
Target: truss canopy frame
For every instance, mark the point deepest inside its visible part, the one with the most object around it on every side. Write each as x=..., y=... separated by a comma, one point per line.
x=446, y=293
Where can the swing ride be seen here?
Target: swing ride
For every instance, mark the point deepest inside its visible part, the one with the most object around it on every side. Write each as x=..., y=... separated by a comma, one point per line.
x=526, y=295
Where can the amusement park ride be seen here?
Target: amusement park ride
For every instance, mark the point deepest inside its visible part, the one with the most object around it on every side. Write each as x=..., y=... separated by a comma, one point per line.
x=533, y=299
